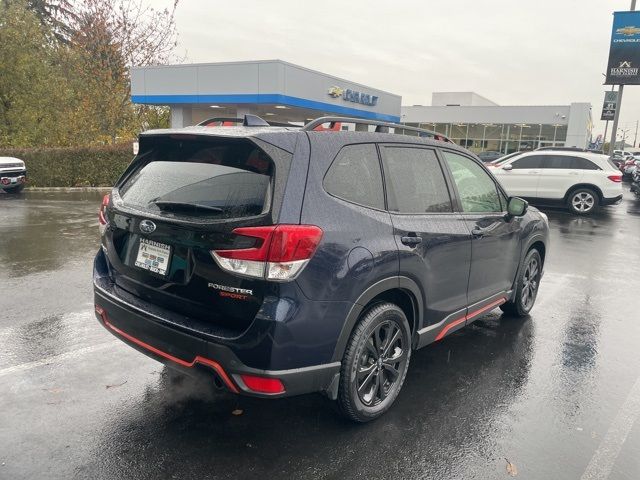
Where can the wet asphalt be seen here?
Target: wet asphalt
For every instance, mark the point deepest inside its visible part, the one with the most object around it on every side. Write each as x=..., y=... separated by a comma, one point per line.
x=557, y=395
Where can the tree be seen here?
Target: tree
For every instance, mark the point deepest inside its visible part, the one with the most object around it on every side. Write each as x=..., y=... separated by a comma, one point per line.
x=110, y=37
x=64, y=69
x=33, y=90
x=57, y=16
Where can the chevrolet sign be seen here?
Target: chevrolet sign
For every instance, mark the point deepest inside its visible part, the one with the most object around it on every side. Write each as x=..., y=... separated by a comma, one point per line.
x=354, y=96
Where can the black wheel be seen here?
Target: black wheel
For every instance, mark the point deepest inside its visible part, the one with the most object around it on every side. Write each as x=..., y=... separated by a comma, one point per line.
x=528, y=284
x=583, y=201
x=17, y=189
x=375, y=363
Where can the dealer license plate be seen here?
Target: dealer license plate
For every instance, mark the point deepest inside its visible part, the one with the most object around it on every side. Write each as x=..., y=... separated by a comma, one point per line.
x=153, y=256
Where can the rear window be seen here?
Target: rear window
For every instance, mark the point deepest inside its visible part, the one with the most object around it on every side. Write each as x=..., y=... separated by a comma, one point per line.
x=200, y=178
x=355, y=176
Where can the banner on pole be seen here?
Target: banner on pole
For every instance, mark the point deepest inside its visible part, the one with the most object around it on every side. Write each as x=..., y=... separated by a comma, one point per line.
x=609, y=106
x=624, y=53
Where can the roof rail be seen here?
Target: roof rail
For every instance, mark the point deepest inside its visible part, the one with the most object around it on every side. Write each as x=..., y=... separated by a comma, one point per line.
x=381, y=127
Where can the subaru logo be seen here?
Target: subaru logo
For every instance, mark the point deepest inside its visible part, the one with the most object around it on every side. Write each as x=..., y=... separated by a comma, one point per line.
x=147, y=226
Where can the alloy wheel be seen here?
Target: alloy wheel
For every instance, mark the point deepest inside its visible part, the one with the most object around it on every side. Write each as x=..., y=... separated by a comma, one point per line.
x=583, y=202
x=381, y=363
x=530, y=283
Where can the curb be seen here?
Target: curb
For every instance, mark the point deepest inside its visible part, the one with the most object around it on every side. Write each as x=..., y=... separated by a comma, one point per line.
x=67, y=189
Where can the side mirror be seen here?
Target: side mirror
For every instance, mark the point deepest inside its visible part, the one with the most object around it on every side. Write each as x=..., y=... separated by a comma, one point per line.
x=517, y=207
x=508, y=167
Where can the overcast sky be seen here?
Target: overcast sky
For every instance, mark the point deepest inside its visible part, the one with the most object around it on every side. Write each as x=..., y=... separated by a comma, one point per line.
x=512, y=52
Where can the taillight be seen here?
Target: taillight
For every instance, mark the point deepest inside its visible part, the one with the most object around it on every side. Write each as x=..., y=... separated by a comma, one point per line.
x=262, y=384
x=102, y=219
x=615, y=178
x=282, y=251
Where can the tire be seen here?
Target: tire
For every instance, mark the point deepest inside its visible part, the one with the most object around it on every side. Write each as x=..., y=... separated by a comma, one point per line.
x=372, y=374
x=528, y=284
x=583, y=201
x=17, y=189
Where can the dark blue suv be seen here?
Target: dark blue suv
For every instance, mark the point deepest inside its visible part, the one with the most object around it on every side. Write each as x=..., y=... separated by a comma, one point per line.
x=288, y=260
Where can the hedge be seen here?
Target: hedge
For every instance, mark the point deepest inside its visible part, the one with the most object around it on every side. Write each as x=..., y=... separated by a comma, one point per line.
x=74, y=166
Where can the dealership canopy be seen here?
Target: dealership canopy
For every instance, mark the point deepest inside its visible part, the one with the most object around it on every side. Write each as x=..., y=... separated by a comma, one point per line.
x=274, y=89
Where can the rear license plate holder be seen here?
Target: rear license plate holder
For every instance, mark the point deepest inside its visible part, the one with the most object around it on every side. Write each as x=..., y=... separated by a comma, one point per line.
x=153, y=256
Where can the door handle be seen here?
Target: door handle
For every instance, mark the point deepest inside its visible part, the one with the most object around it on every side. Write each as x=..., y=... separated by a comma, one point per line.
x=477, y=232
x=533, y=171
x=411, y=240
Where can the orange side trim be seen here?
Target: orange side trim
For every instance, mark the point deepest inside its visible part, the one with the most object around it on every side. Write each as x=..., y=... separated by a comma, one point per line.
x=468, y=316
x=448, y=327
x=201, y=360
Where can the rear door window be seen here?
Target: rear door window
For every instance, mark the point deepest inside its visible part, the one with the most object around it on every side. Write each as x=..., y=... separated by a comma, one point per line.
x=229, y=179
x=355, y=176
x=558, y=162
x=415, y=181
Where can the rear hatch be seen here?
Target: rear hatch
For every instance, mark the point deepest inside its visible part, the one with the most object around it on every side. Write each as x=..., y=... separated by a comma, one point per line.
x=180, y=199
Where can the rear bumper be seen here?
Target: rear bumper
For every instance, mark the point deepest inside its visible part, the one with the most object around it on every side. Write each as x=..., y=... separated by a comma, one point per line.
x=166, y=342
x=612, y=200
x=13, y=178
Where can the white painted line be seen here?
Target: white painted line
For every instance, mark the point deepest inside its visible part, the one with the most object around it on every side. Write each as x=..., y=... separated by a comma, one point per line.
x=57, y=358
x=602, y=462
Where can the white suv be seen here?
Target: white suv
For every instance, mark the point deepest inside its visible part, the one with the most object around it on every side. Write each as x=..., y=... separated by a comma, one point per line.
x=580, y=180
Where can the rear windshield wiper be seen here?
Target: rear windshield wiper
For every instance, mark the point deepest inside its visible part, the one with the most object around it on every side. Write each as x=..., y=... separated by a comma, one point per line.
x=173, y=205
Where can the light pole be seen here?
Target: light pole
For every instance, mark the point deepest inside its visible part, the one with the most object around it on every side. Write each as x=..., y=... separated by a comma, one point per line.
x=624, y=137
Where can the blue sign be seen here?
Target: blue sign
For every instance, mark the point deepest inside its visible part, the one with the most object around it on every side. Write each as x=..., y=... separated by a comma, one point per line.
x=624, y=53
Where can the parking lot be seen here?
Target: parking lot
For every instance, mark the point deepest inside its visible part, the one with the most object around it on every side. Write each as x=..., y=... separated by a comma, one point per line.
x=556, y=395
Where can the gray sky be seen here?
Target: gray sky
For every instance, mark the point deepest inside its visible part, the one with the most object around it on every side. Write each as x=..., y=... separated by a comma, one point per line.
x=512, y=52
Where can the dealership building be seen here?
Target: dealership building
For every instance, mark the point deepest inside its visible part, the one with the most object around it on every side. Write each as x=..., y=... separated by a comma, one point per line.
x=282, y=92
x=275, y=90
x=480, y=124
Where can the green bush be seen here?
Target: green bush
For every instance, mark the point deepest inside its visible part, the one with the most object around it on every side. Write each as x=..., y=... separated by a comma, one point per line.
x=74, y=166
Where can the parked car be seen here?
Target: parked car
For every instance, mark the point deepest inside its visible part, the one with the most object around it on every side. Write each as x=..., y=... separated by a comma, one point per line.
x=489, y=156
x=580, y=180
x=504, y=158
x=13, y=174
x=629, y=167
x=284, y=262
x=635, y=183
x=621, y=153
x=618, y=162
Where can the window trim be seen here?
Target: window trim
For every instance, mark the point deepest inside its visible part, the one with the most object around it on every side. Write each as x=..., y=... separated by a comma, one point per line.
x=434, y=149
x=499, y=188
x=384, y=192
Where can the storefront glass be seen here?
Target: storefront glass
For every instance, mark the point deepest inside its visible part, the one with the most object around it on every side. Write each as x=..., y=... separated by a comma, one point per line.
x=505, y=138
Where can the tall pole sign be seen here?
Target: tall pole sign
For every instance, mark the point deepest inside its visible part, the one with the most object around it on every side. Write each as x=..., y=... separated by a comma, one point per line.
x=623, y=67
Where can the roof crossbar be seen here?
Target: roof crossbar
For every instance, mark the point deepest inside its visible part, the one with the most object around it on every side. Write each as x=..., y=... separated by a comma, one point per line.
x=381, y=127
